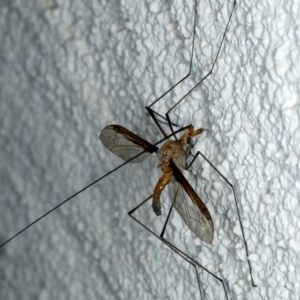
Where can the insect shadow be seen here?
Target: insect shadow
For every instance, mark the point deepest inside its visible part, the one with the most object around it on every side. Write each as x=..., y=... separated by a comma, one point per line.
x=172, y=154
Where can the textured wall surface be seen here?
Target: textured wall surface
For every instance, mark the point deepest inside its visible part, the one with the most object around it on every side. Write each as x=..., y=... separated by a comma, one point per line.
x=69, y=68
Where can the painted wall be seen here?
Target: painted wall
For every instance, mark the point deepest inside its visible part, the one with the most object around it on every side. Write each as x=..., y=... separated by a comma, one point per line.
x=69, y=68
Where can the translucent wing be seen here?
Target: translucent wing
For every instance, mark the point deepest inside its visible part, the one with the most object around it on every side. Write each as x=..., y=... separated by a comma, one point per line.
x=126, y=144
x=190, y=207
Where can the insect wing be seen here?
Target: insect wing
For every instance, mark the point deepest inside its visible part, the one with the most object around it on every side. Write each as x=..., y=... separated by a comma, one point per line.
x=190, y=207
x=126, y=144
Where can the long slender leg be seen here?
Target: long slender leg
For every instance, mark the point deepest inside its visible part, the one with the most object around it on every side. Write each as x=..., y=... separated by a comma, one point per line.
x=193, y=160
x=162, y=117
x=186, y=257
x=151, y=112
x=178, y=251
x=137, y=207
x=82, y=190
x=192, y=264
x=190, y=67
x=166, y=222
x=236, y=204
x=206, y=76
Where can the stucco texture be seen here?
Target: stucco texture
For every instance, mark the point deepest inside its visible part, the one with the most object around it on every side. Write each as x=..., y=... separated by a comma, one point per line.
x=69, y=68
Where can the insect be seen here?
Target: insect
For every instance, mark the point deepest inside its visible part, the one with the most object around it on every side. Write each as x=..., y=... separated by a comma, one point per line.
x=172, y=154
x=173, y=130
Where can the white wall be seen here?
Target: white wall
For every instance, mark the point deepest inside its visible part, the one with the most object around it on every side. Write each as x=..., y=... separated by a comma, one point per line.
x=68, y=68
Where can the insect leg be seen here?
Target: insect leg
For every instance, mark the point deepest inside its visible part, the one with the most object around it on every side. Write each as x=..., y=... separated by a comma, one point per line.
x=191, y=263
x=190, y=164
x=236, y=204
x=133, y=210
x=167, y=117
x=194, y=262
x=187, y=258
x=152, y=112
x=82, y=190
x=187, y=75
x=166, y=222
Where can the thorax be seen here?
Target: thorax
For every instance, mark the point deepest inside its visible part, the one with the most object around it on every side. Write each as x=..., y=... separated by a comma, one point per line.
x=171, y=150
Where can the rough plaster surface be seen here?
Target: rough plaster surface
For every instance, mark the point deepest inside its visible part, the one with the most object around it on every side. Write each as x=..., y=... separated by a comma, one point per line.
x=68, y=68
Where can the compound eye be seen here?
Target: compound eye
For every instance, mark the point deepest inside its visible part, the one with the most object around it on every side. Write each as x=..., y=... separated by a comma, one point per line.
x=188, y=140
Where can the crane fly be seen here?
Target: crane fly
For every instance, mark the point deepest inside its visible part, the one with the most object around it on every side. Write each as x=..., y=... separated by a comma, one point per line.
x=171, y=155
x=134, y=149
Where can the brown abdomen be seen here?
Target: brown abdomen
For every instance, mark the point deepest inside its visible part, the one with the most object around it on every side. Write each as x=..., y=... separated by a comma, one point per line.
x=161, y=184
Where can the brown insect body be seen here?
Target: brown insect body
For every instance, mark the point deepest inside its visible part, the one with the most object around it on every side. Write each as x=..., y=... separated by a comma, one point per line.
x=171, y=151
x=171, y=155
